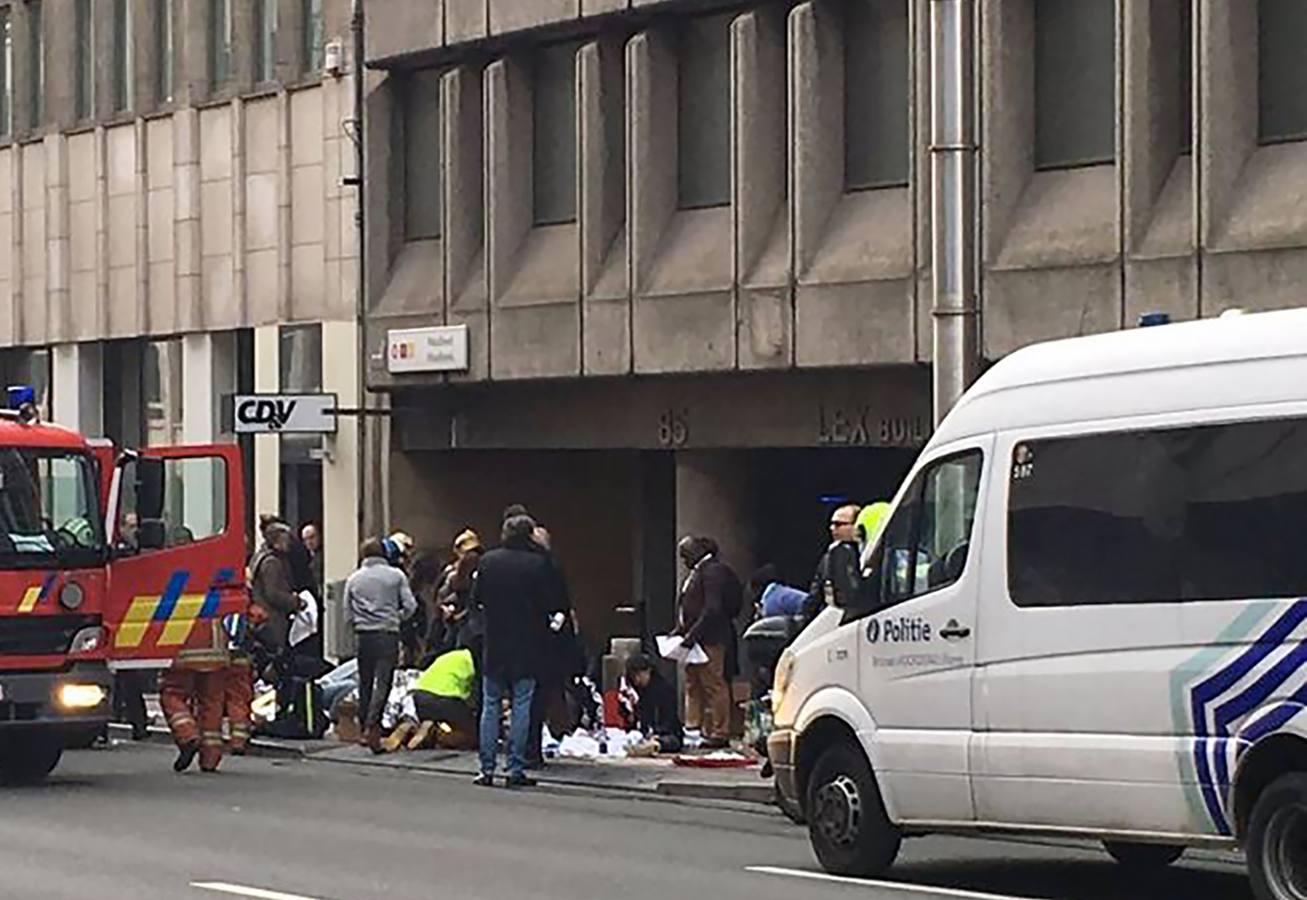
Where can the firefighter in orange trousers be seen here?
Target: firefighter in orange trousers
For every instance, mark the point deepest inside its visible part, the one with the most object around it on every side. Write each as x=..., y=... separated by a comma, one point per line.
x=192, y=698
x=238, y=697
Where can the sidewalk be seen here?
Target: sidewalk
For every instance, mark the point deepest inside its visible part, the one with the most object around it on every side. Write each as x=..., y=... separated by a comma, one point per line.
x=652, y=776
x=644, y=776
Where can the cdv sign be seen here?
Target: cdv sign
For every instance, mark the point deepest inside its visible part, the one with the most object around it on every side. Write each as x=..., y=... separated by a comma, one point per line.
x=284, y=413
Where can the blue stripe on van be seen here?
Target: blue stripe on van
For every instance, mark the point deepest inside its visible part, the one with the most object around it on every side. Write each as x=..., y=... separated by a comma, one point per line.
x=1213, y=754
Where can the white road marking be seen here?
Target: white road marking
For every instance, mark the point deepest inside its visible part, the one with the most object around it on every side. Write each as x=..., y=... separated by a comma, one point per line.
x=885, y=885
x=237, y=890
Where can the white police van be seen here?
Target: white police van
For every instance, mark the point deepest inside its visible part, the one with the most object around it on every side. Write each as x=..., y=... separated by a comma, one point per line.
x=1087, y=616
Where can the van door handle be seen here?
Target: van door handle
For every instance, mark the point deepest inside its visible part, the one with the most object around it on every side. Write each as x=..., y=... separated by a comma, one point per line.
x=955, y=631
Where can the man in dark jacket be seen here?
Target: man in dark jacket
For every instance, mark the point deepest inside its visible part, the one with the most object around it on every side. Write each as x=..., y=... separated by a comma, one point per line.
x=838, y=579
x=559, y=662
x=516, y=587
x=710, y=599
x=273, y=587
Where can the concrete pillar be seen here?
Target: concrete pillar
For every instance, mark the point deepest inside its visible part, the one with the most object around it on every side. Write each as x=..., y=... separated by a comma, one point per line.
x=188, y=237
x=714, y=499
x=209, y=367
x=78, y=389
x=267, y=447
x=58, y=247
x=341, y=493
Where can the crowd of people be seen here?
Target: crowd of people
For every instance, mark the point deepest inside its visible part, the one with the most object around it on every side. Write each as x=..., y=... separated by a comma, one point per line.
x=488, y=629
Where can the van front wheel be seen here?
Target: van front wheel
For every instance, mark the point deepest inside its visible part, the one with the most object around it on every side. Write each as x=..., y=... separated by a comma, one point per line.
x=850, y=832
x=1277, y=840
x=1143, y=856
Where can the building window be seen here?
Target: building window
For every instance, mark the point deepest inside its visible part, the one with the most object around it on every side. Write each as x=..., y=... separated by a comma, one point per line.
x=163, y=385
x=1205, y=513
x=1075, y=83
x=314, y=36
x=876, y=99
x=1281, y=87
x=36, y=56
x=1185, y=63
x=219, y=42
x=301, y=454
x=163, y=47
x=84, y=59
x=265, y=41
x=6, y=72
x=553, y=122
x=704, y=112
x=422, y=156
x=124, y=56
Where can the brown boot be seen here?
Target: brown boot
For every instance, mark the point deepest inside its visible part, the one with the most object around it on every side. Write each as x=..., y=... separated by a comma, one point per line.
x=374, y=741
x=422, y=736
x=396, y=738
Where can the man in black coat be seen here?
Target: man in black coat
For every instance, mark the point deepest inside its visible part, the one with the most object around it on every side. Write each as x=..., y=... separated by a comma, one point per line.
x=516, y=587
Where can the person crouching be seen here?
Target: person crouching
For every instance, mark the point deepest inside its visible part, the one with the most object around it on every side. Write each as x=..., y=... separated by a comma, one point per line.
x=656, y=713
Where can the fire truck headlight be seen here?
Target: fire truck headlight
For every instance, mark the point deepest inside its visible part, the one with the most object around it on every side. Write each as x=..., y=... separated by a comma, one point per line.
x=71, y=595
x=88, y=640
x=82, y=696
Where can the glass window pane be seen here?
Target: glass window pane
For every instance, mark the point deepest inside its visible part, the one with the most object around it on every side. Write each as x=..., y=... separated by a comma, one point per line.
x=927, y=542
x=704, y=112
x=876, y=102
x=314, y=36
x=1075, y=83
x=36, y=57
x=265, y=41
x=163, y=38
x=83, y=48
x=1281, y=77
x=553, y=93
x=1207, y=513
x=422, y=157
x=123, y=56
x=6, y=72
x=219, y=42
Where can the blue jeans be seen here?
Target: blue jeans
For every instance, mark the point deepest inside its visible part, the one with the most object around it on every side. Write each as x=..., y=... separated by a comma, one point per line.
x=523, y=690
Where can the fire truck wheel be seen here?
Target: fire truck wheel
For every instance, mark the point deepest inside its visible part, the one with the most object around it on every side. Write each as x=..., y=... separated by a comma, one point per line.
x=28, y=762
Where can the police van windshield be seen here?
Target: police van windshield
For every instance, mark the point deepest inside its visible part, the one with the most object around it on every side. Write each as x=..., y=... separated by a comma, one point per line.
x=49, y=509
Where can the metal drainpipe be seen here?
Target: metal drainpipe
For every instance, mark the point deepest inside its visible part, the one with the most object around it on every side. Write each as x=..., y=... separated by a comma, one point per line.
x=953, y=156
x=361, y=285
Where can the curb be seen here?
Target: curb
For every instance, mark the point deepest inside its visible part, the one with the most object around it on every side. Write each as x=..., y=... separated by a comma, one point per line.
x=761, y=792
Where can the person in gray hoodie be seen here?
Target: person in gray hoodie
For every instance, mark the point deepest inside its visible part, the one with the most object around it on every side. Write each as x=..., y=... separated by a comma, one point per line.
x=377, y=599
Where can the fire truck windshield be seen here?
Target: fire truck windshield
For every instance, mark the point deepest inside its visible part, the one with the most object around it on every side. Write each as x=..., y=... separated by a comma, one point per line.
x=49, y=509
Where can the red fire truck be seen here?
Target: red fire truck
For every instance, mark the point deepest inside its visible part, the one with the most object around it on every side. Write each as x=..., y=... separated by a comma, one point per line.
x=107, y=559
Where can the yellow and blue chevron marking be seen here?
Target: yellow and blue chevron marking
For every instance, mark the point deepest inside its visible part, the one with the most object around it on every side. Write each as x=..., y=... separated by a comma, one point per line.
x=36, y=594
x=174, y=611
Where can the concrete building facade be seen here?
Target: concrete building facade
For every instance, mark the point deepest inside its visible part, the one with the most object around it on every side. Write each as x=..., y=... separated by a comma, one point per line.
x=173, y=227
x=697, y=235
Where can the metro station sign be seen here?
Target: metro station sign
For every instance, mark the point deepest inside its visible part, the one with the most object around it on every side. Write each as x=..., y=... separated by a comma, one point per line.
x=442, y=348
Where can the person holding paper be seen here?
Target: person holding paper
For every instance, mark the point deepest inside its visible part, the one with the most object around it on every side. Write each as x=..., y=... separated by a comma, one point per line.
x=711, y=597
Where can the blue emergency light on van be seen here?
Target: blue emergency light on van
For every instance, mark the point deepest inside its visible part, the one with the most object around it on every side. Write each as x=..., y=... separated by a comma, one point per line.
x=1148, y=320
x=20, y=395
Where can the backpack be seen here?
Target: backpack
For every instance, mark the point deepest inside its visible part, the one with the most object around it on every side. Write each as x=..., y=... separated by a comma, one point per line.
x=305, y=715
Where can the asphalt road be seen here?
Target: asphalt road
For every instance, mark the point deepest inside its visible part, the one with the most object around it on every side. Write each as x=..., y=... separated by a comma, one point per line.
x=119, y=823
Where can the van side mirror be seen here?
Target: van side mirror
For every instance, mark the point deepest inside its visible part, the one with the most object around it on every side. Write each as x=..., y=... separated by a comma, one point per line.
x=149, y=490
